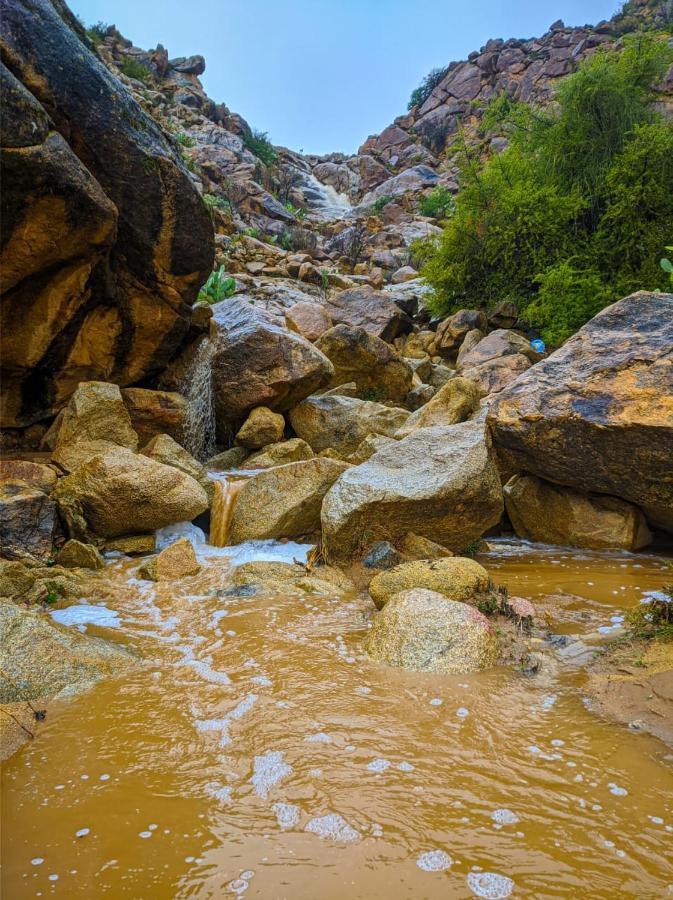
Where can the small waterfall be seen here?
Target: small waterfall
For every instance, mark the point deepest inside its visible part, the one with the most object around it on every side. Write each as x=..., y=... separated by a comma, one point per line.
x=199, y=429
x=324, y=203
x=222, y=509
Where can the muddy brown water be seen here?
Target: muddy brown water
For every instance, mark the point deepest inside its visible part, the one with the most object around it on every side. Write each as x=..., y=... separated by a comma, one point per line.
x=260, y=754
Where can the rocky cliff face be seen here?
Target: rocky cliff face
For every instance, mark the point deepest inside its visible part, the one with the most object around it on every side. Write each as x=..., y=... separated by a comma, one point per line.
x=105, y=239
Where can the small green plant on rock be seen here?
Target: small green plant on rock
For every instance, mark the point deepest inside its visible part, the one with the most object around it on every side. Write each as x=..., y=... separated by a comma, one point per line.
x=96, y=33
x=380, y=204
x=185, y=140
x=134, y=69
x=258, y=143
x=219, y=286
x=426, y=87
x=654, y=619
x=213, y=202
x=667, y=265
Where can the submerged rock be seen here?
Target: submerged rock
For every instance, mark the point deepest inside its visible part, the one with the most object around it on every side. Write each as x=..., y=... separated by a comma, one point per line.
x=441, y=483
x=422, y=631
x=284, y=501
x=342, y=423
x=456, y=578
x=122, y=492
x=177, y=561
x=597, y=415
x=545, y=512
x=375, y=367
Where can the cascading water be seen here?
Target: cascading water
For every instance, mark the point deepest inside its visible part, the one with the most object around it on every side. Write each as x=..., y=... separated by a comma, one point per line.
x=226, y=491
x=324, y=203
x=199, y=436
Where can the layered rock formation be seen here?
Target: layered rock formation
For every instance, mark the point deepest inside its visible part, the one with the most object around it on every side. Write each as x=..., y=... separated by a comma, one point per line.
x=98, y=283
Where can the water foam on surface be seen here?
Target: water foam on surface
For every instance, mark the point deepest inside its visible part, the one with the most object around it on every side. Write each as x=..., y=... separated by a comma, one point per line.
x=490, y=885
x=287, y=814
x=82, y=614
x=268, y=770
x=434, y=861
x=333, y=827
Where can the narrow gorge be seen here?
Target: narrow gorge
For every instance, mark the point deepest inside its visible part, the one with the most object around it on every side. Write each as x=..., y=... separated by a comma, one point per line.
x=336, y=492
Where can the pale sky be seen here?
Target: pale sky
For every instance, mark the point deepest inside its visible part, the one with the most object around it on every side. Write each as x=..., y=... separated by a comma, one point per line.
x=321, y=75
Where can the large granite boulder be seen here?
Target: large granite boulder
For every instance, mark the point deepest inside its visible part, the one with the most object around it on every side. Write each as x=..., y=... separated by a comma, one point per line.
x=253, y=361
x=441, y=483
x=597, y=415
x=456, y=578
x=96, y=412
x=40, y=658
x=452, y=332
x=342, y=423
x=551, y=514
x=121, y=492
x=106, y=239
x=163, y=449
x=27, y=521
x=453, y=403
x=498, y=344
x=422, y=631
x=155, y=412
x=369, y=309
x=375, y=367
x=285, y=501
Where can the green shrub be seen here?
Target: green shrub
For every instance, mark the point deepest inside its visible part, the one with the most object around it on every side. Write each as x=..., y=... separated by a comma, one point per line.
x=185, y=140
x=96, y=33
x=667, y=265
x=653, y=619
x=426, y=87
x=574, y=212
x=438, y=204
x=297, y=211
x=382, y=202
x=219, y=286
x=134, y=69
x=258, y=143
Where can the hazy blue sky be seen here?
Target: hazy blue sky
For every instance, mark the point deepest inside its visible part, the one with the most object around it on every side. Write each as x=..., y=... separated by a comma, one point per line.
x=321, y=75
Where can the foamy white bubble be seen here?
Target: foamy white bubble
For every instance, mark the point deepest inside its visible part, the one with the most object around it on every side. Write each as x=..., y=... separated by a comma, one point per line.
x=268, y=770
x=37, y=861
x=462, y=712
x=434, y=861
x=287, y=814
x=490, y=885
x=378, y=765
x=318, y=738
x=616, y=790
x=436, y=701
x=405, y=767
x=504, y=817
x=82, y=832
x=332, y=827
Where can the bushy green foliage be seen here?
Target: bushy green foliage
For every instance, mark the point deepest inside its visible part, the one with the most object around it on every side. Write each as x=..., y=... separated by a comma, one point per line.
x=219, y=286
x=574, y=212
x=97, y=32
x=185, y=140
x=438, y=204
x=426, y=87
x=134, y=69
x=258, y=143
x=382, y=202
x=667, y=265
x=297, y=211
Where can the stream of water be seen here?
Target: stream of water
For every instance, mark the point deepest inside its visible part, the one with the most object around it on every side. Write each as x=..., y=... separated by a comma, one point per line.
x=258, y=753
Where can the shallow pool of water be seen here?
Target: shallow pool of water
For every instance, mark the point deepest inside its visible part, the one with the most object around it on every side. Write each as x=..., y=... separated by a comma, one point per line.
x=260, y=754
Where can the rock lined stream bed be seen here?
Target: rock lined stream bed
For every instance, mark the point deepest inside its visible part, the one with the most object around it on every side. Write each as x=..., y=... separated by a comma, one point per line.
x=259, y=752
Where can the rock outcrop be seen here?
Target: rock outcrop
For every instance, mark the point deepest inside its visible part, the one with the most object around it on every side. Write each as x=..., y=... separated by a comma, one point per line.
x=422, y=631
x=441, y=483
x=597, y=415
x=105, y=238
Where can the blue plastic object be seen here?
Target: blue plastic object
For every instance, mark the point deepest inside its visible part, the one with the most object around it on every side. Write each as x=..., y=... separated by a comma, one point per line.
x=538, y=345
